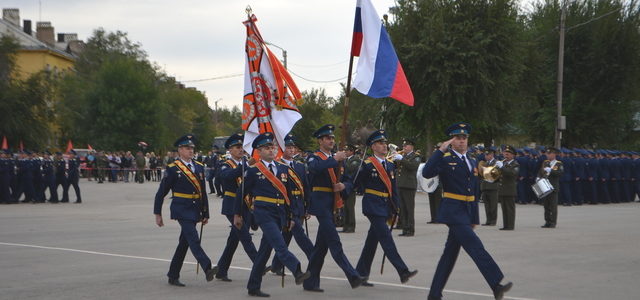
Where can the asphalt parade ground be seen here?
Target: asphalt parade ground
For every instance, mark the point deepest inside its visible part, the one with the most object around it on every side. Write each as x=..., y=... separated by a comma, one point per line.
x=110, y=248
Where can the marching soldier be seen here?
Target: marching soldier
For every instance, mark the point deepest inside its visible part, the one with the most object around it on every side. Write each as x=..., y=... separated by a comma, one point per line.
x=551, y=169
x=489, y=188
x=185, y=178
x=407, y=164
x=271, y=186
x=48, y=169
x=25, y=178
x=351, y=165
x=230, y=175
x=379, y=204
x=72, y=174
x=327, y=188
x=459, y=211
x=6, y=169
x=300, y=197
x=507, y=187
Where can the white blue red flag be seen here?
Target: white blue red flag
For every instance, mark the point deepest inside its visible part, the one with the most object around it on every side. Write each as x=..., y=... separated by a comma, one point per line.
x=379, y=73
x=271, y=97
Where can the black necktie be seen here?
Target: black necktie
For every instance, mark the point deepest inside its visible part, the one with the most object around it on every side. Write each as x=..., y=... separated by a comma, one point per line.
x=190, y=168
x=465, y=162
x=291, y=164
x=384, y=165
x=271, y=169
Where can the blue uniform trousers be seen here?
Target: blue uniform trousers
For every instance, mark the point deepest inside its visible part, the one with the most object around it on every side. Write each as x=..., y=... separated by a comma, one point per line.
x=379, y=233
x=578, y=196
x=624, y=190
x=25, y=185
x=270, y=222
x=565, y=193
x=5, y=192
x=463, y=235
x=593, y=191
x=614, y=191
x=236, y=235
x=327, y=239
x=73, y=181
x=302, y=240
x=188, y=240
x=50, y=183
x=636, y=190
x=522, y=191
x=603, y=188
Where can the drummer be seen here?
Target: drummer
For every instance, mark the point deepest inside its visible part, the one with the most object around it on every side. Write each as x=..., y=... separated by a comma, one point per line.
x=551, y=169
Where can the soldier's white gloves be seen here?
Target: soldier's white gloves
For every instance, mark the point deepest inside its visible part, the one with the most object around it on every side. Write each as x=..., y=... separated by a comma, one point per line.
x=397, y=157
x=499, y=164
x=547, y=169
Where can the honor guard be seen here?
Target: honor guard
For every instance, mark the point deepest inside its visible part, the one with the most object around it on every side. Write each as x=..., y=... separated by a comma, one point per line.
x=551, y=169
x=300, y=197
x=185, y=179
x=230, y=175
x=459, y=211
x=351, y=165
x=327, y=190
x=270, y=187
x=507, y=187
x=407, y=163
x=380, y=203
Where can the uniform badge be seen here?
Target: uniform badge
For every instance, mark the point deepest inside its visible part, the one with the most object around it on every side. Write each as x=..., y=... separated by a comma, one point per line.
x=283, y=177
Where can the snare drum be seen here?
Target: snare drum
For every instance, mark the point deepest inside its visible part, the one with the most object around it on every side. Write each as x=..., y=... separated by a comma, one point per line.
x=542, y=188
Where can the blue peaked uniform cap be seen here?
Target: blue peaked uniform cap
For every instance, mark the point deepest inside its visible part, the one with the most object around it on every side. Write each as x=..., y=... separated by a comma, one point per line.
x=233, y=140
x=458, y=128
x=326, y=130
x=188, y=140
x=377, y=136
x=290, y=140
x=262, y=140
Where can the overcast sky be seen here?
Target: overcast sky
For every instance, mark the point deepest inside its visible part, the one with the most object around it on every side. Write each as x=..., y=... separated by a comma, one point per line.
x=199, y=39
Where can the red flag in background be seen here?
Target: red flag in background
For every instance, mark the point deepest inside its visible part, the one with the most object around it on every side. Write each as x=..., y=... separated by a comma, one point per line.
x=5, y=145
x=69, y=146
x=89, y=147
x=271, y=97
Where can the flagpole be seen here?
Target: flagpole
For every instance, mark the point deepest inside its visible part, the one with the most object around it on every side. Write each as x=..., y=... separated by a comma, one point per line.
x=345, y=114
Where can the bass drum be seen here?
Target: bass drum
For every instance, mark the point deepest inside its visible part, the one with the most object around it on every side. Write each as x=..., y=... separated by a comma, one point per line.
x=424, y=184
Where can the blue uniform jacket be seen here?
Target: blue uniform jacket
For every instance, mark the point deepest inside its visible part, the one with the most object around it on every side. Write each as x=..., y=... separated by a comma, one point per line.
x=301, y=203
x=635, y=172
x=523, y=161
x=579, y=168
x=625, y=168
x=257, y=185
x=615, y=169
x=194, y=208
x=321, y=203
x=228, y=176
x=602, y=165
x=374, y=203
x=455, y=178
x=568, y=174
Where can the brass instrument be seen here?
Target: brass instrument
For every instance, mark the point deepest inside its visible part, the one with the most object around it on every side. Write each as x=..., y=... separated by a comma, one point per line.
x=393, y=150
x=489, y=173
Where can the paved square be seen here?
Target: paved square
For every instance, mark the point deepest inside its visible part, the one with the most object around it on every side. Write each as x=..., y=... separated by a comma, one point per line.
x=109, y=248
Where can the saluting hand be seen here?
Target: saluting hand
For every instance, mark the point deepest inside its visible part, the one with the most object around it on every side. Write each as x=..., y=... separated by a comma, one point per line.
x=159, y=221
x=445, y=145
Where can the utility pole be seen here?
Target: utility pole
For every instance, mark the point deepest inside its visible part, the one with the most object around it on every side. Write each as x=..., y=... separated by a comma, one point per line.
x=560, y=121
x=284, y=53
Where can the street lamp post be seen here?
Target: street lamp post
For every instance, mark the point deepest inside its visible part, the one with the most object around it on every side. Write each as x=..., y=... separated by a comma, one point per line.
x=284, y=53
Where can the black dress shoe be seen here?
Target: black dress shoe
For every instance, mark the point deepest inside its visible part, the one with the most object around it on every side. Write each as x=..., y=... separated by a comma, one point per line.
x=366, y=283
x=223, y=278
x=211, y=273
x=301, y=277
x=315, y=290
x=500, y=290
x=407, y=274
x=545, y=226
x=410, y=233
x=267, y=270
x=258, y=293
x=431, y=222
x=433, y=298
x=175, y=282
x=356, y=282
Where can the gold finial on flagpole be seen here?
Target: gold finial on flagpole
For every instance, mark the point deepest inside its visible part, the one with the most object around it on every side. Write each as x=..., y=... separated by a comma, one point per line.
x=249, y=11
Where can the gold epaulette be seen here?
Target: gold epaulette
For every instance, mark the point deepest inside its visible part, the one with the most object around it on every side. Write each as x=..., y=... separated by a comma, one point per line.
x=171, y=165
x=367, y=161
x=447, y=154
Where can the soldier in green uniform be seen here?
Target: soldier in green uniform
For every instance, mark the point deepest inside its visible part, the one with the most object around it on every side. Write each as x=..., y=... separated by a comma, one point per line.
x=352, y=163
x=407, y=167
x=507, y=187
x=489, y=188
x=551, y=169
x=102, y=163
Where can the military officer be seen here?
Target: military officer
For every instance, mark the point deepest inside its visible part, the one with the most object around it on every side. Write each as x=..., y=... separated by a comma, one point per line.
x=459, y=211
x=185, y=178
x=271, y=186
x=579, y=175
x=38, y=182
x=25, y=178
x=72, y=174
x=379, y=203
x=48, y=169
x=507, y=187
x=523, y=177
x=230, y=175
x=551, y=169
x=300, y=196
x=327, y=188
x=601, y=164
x=489, y=188
x=6, y=169
x=407, y=165
x=351, y=165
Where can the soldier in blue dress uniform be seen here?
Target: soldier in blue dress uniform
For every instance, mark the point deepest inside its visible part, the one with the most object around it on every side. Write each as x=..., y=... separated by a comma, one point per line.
x=72, y=174
x=25, y=178
x=49, y=177
x=381, y=202
x=459, y=211
x=189, y=206
x=7, y=166
x=270, y=185
x=325, y=181
x=230, y=175
x=301, y=197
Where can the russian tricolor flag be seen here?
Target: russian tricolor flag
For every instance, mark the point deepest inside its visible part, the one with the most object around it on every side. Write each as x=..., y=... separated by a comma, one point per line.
x=379, y=73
